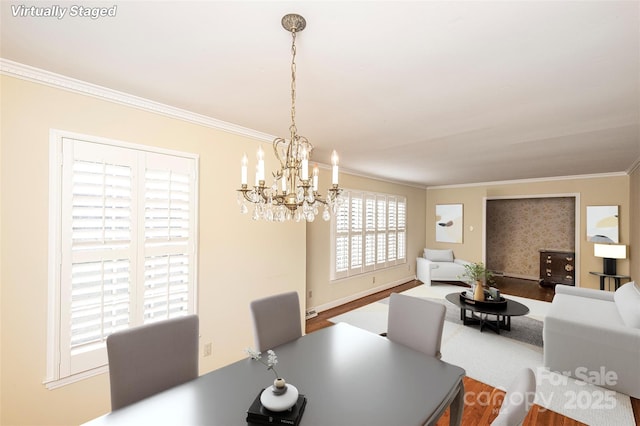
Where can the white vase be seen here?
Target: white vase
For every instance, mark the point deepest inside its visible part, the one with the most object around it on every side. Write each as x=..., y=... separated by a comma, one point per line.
x=280, y=396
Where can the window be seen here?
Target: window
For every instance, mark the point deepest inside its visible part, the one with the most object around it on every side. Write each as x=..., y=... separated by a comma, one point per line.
x=122, y=246
x=368, y=233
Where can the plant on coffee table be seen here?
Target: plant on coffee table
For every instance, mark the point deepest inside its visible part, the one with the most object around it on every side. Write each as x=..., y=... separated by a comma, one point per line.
x=478, y=273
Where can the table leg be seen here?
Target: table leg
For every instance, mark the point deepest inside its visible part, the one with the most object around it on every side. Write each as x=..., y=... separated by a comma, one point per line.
x=457, y=407
x=601, y=283
x=617, y=282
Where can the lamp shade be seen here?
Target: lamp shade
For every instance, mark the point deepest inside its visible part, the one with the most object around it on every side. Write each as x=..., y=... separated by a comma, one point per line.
x=610, y=251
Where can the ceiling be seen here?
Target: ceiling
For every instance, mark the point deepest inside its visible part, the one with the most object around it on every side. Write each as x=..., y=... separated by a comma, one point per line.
x=421, y=92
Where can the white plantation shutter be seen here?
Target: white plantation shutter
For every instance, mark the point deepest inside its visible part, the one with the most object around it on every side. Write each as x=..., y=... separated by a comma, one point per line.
x=401, y=230
x=167, y=239
x=381, y=230
x=392, y=248
x=368, y=233
x=97, y=249
x=392, y=216
x=166, y=287
x=127, y=246
x=341, y=241
x=355, y=232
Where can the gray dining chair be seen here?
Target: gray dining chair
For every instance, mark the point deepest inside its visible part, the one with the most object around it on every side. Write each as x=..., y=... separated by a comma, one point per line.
x=518, y=400
x=416, y=323
x=151, y=358
x=276, y=320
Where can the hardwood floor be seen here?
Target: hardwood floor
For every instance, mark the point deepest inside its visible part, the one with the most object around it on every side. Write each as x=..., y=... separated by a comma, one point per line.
x=484, y=409
x=524, y=288
x=320, y=321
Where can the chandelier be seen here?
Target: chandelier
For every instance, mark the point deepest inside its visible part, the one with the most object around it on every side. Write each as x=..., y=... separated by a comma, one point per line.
x=293, y=194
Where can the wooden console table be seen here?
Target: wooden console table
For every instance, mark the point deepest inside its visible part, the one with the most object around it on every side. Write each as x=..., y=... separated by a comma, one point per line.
x=616, y=279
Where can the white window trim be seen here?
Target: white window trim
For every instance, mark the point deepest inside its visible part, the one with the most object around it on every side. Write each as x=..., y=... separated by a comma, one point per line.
x=377, y=266
x=52, y=379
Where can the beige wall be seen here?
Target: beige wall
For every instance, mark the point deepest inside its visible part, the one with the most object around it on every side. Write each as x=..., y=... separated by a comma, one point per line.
x=611, y=190
x=237, y=260
x=326, y=293
x=472, y=205
x=1, y=245
x=634, y=249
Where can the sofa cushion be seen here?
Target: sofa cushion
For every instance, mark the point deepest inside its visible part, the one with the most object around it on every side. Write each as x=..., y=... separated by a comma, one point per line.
x=627, y=299
x=439, y=255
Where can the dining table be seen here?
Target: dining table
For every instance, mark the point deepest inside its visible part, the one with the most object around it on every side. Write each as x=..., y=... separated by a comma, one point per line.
x=348, y=375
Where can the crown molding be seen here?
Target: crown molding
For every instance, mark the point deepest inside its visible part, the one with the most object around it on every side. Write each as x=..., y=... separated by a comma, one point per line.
x=29, y=73
x=635, y=166
x=533, y=180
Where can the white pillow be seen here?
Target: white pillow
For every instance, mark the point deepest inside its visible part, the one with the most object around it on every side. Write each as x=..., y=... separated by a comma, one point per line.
x=439, y=255
x=627, y=299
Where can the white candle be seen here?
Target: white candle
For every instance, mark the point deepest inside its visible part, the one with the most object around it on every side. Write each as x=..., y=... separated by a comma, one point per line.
x=315, y=177
x=305, y=165
x=283, y=181
x=243, y=179
x=260, y=164
x=257, y=176
x=334, y=169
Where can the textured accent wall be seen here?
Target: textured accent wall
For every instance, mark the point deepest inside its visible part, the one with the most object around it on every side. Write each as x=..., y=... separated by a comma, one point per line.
x=518, y=228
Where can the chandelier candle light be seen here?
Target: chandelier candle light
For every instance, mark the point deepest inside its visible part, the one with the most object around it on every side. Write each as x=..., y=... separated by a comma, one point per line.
x=293, y=195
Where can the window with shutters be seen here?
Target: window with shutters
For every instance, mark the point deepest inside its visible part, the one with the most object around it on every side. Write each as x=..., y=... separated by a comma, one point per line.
x=122, y=246
x=368, y=233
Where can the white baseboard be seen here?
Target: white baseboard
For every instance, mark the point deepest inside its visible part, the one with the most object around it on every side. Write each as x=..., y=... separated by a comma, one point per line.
x=351, y=298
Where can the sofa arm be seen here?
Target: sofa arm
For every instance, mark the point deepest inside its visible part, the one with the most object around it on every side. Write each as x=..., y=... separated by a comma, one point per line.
x=570, y=345
x=423, y=270
x=584, y=292
x=426, y=263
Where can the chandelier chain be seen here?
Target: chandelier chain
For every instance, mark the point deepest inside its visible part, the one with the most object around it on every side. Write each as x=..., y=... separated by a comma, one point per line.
x=293, y=128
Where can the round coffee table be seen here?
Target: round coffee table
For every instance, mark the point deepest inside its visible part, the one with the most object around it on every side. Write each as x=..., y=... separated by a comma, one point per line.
x=479, y=313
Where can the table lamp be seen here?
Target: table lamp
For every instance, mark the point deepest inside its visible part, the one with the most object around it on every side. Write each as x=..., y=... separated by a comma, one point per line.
x=609, y=253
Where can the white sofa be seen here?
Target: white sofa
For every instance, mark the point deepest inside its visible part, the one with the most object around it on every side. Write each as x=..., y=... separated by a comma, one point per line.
x=592, y=334
x=440, y=265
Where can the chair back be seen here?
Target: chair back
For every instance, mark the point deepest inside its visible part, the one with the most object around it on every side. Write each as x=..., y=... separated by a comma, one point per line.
x=276, y=320
x=416, y=323
x=518, y=400
x=150, y=358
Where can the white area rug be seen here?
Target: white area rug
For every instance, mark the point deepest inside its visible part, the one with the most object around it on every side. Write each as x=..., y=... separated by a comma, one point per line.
x=494, y=360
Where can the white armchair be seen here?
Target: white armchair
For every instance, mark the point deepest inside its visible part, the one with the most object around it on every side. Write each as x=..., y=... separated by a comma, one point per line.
x=595, y=335
x=440, y=265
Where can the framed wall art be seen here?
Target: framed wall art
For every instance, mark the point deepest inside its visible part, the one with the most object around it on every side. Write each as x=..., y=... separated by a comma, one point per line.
x=602, y=224
x=449, y=223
